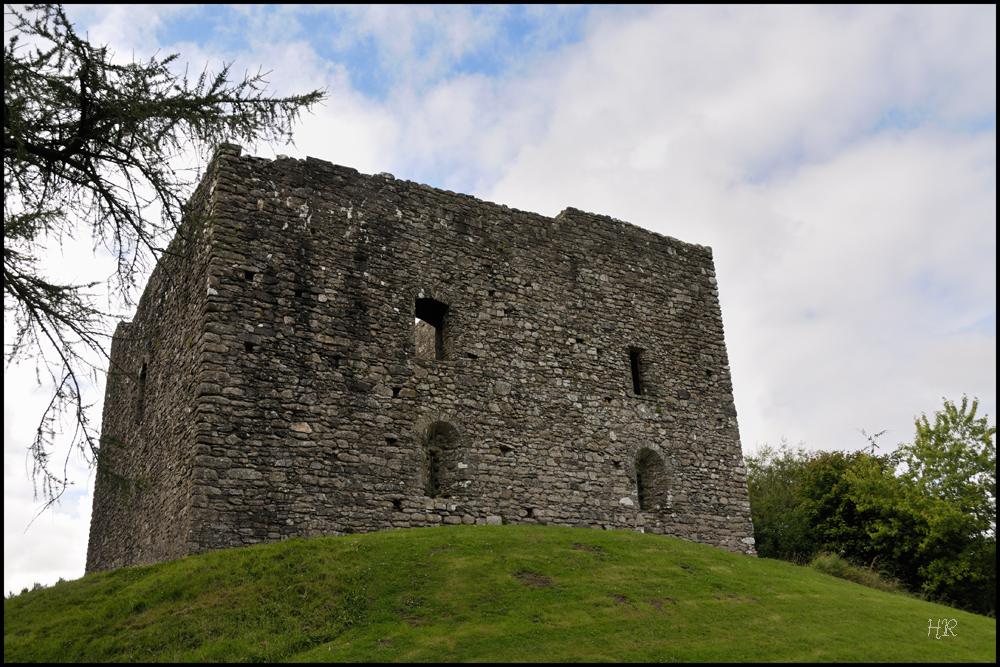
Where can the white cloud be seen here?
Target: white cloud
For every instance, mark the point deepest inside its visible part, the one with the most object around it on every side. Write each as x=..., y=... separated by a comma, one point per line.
x=55, y=545
x=841, y=253
x=124, y=28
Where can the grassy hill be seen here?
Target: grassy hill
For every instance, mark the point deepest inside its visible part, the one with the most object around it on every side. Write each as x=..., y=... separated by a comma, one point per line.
x=483, y=593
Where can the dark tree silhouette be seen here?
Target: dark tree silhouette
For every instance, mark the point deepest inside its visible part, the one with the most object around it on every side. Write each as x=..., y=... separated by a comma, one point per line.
x=89, y=147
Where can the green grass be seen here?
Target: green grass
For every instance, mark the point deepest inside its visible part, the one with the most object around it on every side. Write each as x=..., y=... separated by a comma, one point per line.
x=481, y=593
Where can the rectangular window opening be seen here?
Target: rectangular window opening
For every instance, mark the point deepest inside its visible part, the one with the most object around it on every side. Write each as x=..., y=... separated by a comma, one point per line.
x=429, y=329
x=635, y=361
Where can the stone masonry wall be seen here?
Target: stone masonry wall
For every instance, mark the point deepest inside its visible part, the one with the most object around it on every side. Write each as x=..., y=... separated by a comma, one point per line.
x=143, y=488
x=550, y=356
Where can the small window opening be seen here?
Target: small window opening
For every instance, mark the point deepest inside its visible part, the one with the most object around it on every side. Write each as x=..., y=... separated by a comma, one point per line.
x=248, y=346
x=395, y=392
x=651, y=480
x=299, y=293
x=530, y=512
x=429, y=328
x=140, y=403
x=437, y=442
x=635, y=360
x=397, y=505
x=432, y=486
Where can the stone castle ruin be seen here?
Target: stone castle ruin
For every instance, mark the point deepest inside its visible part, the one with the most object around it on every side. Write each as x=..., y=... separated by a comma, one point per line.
x=322, y=352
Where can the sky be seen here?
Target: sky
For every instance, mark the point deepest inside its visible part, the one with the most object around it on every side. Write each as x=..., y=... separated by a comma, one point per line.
x=840, y=161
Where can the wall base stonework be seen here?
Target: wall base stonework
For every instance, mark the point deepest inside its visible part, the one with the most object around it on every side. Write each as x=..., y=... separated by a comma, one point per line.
x=323, y=352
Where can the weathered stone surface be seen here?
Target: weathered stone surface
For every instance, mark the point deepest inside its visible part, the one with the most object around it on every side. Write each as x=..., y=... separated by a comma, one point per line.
x=566, y=371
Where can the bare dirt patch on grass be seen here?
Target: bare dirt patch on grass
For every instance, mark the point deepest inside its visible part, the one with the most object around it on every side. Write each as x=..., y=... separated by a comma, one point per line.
x=534, y=580
x=586, y=547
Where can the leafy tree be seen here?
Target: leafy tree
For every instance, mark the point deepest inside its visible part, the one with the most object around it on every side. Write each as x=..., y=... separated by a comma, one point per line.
x=780, y=522
x=882, y=530
x=955, y=460
x=935, y=522
x=89, y=148
x=951, y=471
x=924, y=514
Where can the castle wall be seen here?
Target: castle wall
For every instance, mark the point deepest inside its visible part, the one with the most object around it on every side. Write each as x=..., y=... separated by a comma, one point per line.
x=550, y=356
x=323, y=407
x=144, y=481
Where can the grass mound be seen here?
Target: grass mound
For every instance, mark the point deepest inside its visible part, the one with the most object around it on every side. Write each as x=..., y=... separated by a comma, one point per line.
x=493, y=593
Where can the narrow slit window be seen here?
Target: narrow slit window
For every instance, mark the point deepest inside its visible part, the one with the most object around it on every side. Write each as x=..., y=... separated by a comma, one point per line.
x=635, y=361
x=140, y=402
x=438, y=444
x=429, y=329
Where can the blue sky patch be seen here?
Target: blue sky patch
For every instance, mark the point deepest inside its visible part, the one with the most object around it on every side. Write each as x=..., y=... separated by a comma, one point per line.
x=511, y=39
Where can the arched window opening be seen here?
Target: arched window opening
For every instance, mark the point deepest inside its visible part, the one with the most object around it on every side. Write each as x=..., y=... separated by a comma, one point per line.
x=429, y=332
x=651, y=480
x=438, y=443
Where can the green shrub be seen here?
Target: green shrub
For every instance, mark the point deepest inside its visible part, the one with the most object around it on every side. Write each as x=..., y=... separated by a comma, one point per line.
x=836, y=566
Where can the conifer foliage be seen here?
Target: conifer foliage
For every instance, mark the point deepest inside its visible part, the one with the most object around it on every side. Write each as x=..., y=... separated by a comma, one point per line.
x=90, y=145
